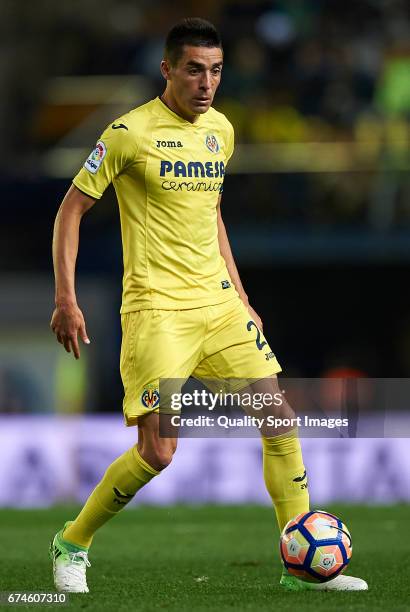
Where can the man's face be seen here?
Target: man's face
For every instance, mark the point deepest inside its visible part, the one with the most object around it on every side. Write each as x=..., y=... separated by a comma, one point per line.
x=194, y=80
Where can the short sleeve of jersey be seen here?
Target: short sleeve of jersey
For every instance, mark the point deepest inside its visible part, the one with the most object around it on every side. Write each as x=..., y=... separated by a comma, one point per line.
x=230, y=143
x=115, y=150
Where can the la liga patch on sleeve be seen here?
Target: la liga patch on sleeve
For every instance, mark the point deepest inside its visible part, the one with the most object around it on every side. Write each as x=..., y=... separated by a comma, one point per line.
x=94, y=160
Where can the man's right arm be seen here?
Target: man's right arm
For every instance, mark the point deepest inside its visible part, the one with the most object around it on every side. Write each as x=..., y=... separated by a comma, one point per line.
x=68, y=320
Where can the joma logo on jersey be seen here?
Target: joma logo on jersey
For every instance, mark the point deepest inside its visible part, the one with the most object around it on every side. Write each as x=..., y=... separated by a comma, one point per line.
x=150, y=398
x=169, y=143
x=209, y=169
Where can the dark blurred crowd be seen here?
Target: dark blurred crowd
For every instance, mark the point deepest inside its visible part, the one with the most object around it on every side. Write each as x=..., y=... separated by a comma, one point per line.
x=295, y=70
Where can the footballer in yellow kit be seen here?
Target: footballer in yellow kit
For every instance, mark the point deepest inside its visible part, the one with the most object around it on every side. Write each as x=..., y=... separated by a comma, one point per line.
x=181, y=314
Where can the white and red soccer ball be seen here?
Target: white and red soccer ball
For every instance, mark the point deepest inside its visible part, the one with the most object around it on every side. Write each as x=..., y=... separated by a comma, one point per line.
x=315, y=546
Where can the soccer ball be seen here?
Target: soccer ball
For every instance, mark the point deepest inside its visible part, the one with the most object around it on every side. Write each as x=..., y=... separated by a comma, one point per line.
x=315, y=546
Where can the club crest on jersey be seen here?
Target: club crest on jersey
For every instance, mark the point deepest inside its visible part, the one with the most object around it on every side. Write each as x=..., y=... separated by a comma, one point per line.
x=150, y=398
x=93, y=162
x=212, y=143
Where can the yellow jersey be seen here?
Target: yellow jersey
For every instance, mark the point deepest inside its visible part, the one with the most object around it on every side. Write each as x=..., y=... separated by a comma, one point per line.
x=168, y=175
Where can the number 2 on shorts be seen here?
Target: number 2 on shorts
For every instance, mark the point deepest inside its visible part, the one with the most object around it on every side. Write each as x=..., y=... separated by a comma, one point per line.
x=259, y=344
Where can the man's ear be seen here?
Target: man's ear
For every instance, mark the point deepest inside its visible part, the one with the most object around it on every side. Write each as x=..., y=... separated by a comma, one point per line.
x=165, y=69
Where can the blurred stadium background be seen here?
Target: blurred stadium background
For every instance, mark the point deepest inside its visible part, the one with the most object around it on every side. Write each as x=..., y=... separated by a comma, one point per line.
x=316, y=201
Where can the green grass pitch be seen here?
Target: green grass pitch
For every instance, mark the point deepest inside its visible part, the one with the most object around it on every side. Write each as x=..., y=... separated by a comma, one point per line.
x=184, y=558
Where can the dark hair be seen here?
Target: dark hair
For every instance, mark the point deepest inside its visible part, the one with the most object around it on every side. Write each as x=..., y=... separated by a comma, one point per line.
x=192, y=31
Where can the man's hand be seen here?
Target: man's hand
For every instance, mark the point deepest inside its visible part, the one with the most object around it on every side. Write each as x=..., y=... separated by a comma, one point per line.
x=255, y=317
x=67, y=322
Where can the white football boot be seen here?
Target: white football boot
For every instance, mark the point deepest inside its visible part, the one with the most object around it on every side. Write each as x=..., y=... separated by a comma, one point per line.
x=340, y=583
x=70, y=564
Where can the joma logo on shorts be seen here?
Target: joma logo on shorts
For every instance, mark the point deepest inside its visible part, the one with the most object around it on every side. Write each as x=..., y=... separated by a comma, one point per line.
x=169, y=143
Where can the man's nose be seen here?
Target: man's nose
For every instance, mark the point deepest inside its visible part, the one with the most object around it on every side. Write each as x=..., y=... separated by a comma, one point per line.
x=206, y=81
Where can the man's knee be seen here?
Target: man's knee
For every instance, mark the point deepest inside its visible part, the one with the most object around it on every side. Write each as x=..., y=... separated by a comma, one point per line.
x=163, y=455
x=268, y=399
x=157, y=453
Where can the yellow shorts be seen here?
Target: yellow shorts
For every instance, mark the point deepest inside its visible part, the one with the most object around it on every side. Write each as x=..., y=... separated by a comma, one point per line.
x=218, y=342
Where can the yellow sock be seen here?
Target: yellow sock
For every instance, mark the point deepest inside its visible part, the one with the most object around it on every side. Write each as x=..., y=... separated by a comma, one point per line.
x=285, y=476
x=123, y=478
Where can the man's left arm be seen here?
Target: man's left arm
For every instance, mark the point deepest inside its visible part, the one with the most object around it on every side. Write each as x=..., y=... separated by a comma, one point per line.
x=226, y=252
